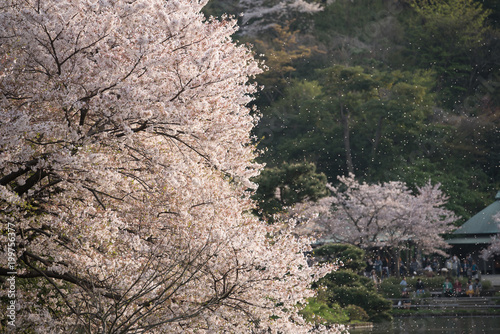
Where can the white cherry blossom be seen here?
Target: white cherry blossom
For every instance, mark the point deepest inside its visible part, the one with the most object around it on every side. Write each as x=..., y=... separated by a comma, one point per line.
x=379, y=215
x=125, y=160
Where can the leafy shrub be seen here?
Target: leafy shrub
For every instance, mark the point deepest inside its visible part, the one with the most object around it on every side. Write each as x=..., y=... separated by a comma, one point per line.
x=390, y=289
x=486, y=285
x=320, y=312
x=346, y=278
x=356, y=313
x=345, y=288
x=351, y=256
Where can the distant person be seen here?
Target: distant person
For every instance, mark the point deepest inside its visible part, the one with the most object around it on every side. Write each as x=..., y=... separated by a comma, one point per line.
x=469, y=260
x=477, y=287
x=377, y=265
x=457, y=288
x=413, y=267
x=419, y=287
x=385, y=268
x=470, y=288
x=375, y=279
x=474, y=269
x=402, y=268
x=469, y=266
x=428, y=271
x=455, y=265
x=404, y=287
x=369, y=268
x=459, y=266
x=465, y=268
x=447, y=288
x=435, y=265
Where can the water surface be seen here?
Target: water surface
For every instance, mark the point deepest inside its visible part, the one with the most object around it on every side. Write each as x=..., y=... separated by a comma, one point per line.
x=431, y=324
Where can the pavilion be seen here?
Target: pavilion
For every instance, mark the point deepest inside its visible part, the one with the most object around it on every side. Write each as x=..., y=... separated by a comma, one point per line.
x=476, y=234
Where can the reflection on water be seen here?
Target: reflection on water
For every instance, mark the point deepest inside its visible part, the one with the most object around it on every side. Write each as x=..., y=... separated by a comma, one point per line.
x=448, y=325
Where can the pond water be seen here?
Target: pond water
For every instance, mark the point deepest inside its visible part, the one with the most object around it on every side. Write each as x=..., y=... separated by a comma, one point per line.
x=447, y=325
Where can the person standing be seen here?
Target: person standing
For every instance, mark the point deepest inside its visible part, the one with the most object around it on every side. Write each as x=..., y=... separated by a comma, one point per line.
x=385, y=267
x=377, y=265
x=453, y=267
x=413, y=267
x=435, y=265
x=469, y=260
x=456, y=266
x=402, y=268
x=465, y=268
x=474, y=269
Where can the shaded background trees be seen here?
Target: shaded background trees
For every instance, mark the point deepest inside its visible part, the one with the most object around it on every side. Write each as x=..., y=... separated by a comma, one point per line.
x=418, y=90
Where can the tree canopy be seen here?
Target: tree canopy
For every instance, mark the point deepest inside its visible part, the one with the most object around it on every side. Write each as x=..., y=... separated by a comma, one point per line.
x=125, y=168
x=382, y=215
x=408, y=91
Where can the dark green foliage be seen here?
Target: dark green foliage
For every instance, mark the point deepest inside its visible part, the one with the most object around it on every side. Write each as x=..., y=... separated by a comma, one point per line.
x=494, y=7
x=350, y=257
x=358, y=33
x=356, y=313
x=320, y=312
x=288, y=184
x=449, y=37
x=390, y=90
x=466, y=185
x=390, y=288
x=344, y=287
x=299, y=128
x=345, y=278
x=382, y=113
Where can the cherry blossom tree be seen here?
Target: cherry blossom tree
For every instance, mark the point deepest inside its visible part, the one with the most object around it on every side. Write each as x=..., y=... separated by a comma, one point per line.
x=259, y=15
x=494, y=247
x=384, y=215
x=125, y=160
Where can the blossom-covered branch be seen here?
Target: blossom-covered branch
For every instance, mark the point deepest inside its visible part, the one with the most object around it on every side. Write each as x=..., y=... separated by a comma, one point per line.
x=380, y=215
x=125, y=164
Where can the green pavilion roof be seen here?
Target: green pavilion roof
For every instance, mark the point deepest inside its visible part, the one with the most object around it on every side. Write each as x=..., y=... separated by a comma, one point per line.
x=469, y=241
x=482, y=222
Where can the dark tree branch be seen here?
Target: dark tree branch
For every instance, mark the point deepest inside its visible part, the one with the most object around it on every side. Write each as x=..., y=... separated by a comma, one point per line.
x=30, y=183
x=12, y=176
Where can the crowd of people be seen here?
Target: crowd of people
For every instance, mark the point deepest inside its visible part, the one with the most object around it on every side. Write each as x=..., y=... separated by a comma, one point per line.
x=473, y=288
x=452, y=268
x=384, y=267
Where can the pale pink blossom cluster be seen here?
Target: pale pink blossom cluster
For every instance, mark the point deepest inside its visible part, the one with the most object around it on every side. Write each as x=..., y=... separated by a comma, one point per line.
x=379, y=215
x=494, y=247
x=259, y=15
x=125, y=160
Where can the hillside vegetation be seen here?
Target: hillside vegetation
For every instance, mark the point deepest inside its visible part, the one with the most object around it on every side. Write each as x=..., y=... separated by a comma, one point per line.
x=386, y=90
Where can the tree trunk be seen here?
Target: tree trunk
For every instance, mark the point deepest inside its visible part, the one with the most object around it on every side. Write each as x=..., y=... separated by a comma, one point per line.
x=396, y=254
x=344, y=119
x=376, y=140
